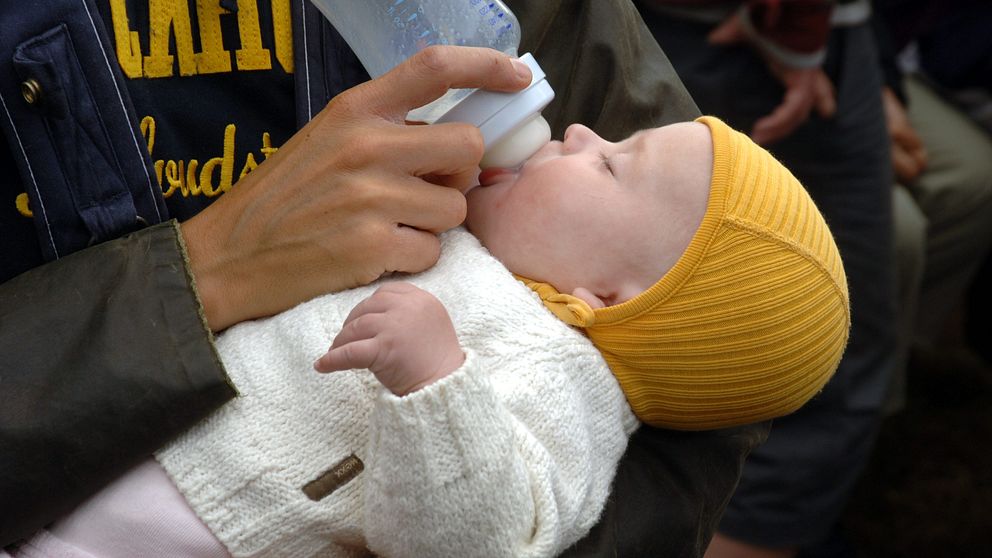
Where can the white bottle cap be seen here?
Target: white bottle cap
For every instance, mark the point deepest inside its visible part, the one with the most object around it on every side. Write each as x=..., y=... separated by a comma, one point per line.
x=511, y=123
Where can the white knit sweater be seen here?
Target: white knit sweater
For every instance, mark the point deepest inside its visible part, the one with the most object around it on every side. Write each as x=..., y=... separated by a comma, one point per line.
x=511, y=455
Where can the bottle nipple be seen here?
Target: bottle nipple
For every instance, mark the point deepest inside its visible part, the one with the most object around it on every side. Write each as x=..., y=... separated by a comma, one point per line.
x=518, y=145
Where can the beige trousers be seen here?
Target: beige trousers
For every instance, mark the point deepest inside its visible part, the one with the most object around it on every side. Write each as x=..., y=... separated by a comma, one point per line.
x=943, y=221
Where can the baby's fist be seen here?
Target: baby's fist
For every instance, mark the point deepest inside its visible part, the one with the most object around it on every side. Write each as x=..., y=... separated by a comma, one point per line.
x=402, y=333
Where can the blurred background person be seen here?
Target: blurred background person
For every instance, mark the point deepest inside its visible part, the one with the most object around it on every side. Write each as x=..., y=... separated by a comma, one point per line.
x=803, y=78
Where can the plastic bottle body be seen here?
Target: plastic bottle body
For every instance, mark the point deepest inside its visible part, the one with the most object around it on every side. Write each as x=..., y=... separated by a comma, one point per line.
x=384, y=33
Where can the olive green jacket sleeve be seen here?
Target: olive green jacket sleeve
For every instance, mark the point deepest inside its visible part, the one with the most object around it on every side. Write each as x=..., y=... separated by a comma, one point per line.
x=604, y=65
x=82, y=400
x=609, y=73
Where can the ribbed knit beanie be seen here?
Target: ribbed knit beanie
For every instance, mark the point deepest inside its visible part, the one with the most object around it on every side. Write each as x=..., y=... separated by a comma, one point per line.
x=752, y=320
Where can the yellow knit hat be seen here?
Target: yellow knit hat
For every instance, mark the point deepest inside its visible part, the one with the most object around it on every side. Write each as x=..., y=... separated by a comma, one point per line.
x=751, y=321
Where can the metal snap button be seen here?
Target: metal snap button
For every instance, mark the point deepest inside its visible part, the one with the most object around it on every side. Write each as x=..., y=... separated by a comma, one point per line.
x=31, y=91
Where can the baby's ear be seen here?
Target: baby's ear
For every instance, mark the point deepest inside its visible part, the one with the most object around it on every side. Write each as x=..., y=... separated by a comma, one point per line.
x=586, y=295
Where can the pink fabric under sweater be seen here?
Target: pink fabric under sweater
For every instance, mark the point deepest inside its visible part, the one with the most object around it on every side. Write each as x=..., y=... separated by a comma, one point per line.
x=140, y=514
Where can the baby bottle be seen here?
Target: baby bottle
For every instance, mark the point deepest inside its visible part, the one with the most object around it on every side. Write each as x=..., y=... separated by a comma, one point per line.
x=384, y=33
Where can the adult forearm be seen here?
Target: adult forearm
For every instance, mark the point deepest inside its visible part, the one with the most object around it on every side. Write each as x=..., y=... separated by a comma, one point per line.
x=105, y=357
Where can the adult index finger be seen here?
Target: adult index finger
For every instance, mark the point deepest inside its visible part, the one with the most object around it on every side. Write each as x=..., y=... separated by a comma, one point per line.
x=447, y=154
x=430, y=73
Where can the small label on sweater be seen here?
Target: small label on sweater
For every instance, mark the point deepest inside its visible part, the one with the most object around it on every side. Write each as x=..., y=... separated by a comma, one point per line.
x=334, y=478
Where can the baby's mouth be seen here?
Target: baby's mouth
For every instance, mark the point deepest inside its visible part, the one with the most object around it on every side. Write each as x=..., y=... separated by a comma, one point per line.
x=492, y=176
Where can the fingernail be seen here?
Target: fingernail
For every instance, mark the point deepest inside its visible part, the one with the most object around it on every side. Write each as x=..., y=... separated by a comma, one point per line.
x=522, y=70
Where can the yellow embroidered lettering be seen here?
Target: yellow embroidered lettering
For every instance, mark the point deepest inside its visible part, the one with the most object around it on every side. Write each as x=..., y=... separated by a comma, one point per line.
x=148, y=132
x=159, y=168
x=194, y=187
x=165, y=18
x=23, y=205
x=170, y=178
x=173, y=177
x=213, y=57
x=128, y=46
x=250, y=165
x=282, y=29
x=251, y=55
x=267, y=148
x=182, y=176
x=226, y=167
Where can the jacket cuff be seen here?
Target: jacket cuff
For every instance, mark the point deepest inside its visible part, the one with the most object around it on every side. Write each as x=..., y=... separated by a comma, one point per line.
x=194, y=339
x=106, y=358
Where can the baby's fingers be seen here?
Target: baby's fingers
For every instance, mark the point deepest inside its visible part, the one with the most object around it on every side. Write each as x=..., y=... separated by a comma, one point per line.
x=363, y=326
x=357, y=354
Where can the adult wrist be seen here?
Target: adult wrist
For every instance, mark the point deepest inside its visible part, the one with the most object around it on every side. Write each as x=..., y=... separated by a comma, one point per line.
x=207, y=275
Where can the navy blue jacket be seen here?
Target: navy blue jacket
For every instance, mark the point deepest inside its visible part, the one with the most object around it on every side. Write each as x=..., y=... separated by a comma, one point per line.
x=73, y=133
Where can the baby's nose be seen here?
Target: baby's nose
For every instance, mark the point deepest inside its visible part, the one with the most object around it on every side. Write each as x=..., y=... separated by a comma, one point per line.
x=578, y=136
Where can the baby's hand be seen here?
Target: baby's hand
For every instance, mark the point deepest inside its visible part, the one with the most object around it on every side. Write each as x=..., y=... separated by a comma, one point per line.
x=401, y=333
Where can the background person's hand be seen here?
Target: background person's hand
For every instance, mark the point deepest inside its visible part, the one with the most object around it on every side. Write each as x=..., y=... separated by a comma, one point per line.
x=402, y=333
x=909, y=155
x=355, y=194
x=806, y=89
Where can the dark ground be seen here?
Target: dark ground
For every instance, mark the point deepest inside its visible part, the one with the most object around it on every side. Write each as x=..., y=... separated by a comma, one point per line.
x=927, y=491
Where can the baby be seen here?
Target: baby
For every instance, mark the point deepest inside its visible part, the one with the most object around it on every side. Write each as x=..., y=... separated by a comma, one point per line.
x=695, y=262
x=686, y=257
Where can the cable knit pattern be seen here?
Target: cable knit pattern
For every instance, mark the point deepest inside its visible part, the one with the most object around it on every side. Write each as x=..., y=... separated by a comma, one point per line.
x=511, y=455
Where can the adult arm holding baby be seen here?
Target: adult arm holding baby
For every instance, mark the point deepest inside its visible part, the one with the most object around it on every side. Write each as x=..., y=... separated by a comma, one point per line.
x=336, y=220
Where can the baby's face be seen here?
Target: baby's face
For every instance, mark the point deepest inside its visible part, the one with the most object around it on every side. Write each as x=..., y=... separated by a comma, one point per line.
x=586, y=212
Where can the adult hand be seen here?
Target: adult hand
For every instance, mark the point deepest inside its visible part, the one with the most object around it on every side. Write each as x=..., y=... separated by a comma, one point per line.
x=355, y=194
x=806, y=89
x=402, y=333
x=909, y=156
